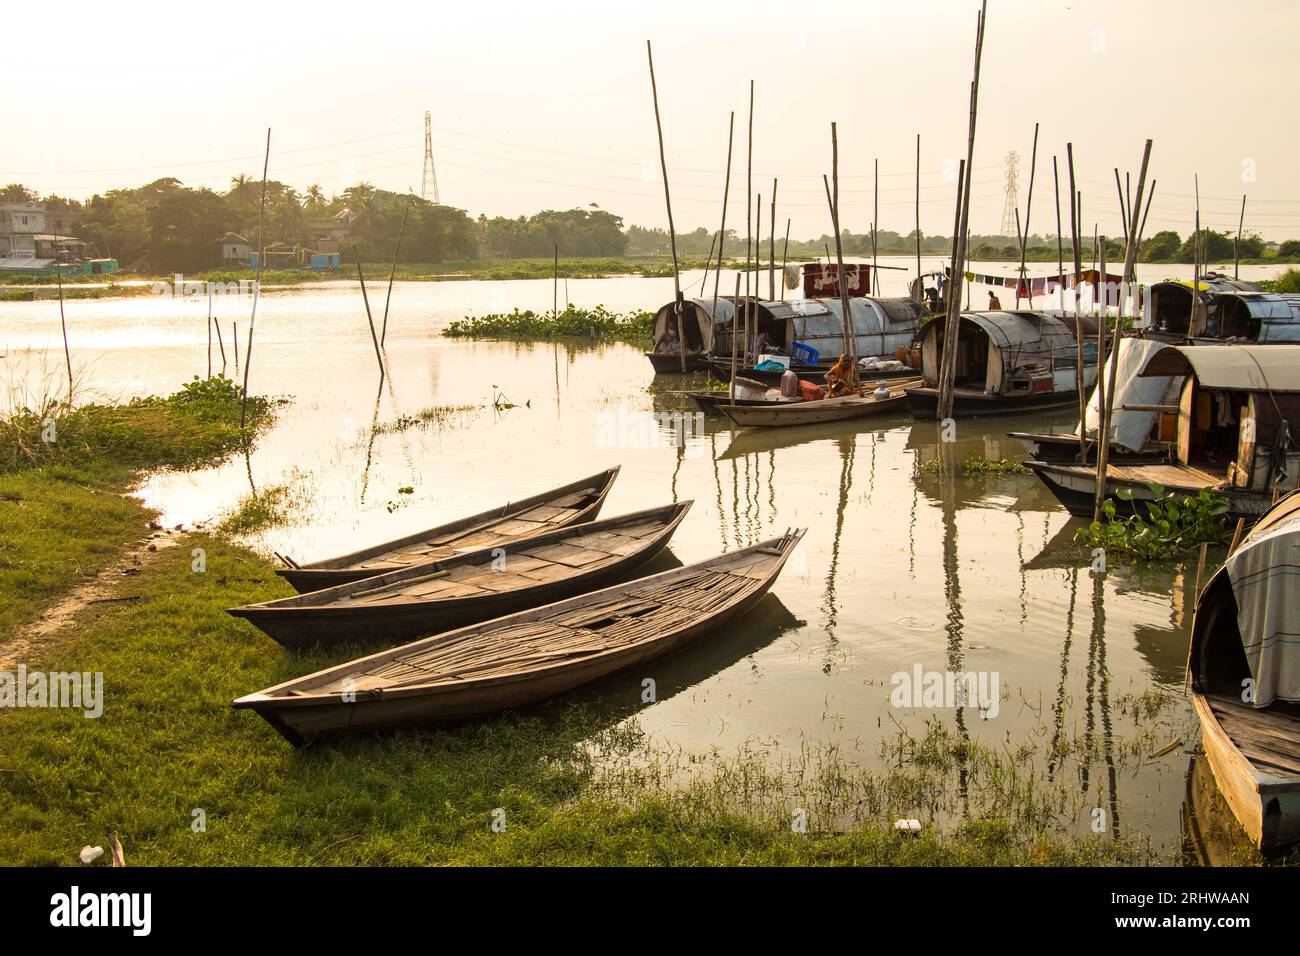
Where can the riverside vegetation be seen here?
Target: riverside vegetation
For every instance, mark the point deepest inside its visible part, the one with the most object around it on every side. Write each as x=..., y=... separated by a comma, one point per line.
x=184, y=779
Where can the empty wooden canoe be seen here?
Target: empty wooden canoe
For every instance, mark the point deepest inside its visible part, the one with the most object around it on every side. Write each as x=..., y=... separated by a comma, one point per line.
x=569, y=504
x=470, y=587
x=526, y=657
x=825, y=410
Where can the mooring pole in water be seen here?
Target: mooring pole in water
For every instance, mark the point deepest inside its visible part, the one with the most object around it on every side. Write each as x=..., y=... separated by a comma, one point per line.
x=1195, y=328
x=875, y=221
x=952, y=330
x=722, y=238
x=946, y=354
x=785, y=247
x=1080, y=344
x=1099, y=485
x=771, y=251
x=1123, y=211
x=383, y=334
x=920, y=292
x=257, y=284
x=374, y=337
x=555, y=285
x=234, y=339
x=749, y=214
x=209, y=331
x=734, y=314
x=1126, y=281
x=1024, y=239
x=713, y=242
x=1236, y=246
x=833, y=197
x=216, y=323
x=672, y=232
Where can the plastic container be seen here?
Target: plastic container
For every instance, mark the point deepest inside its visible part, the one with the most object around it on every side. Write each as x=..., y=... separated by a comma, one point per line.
x=789, y=384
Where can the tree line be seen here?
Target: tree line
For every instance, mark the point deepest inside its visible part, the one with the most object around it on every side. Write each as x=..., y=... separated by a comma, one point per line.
x=165, y=226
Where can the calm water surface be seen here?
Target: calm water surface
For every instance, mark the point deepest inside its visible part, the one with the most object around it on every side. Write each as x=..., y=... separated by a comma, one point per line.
x=900, y=566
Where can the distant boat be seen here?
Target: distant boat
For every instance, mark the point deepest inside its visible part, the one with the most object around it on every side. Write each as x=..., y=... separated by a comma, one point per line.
x=573, y=503
x=1233, y=434
x=524, y=658
x=825, y=410
x=697, y=329
x=1245, y=670
x=1230, y=310
x=470, y=587
x=1008, y=362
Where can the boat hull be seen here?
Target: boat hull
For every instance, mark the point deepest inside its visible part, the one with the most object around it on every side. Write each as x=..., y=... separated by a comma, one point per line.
x=1077, y=493
x=666, y=363
x=721, y=370
x=1064, y=449
x=710, y=402
x=814, y=413
x=925, y=400
x=1267, y=809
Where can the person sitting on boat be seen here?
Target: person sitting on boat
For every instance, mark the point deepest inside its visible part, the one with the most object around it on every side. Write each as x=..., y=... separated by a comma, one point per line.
x=839, y=380
x=667, y=343
x=995, y=304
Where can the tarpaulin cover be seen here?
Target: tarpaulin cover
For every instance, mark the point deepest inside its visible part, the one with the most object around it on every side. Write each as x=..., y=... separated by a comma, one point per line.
x=1130, y=429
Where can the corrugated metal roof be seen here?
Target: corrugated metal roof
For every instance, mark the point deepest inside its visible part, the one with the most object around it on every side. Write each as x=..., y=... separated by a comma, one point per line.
x=1245, y=368
x=25, y=265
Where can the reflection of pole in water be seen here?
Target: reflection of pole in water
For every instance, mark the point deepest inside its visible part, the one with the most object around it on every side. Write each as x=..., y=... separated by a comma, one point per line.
x=1020, y=563
x=954, y=625
x=735, y=503
x=370, y=445
x=677, y=467
x=848, y=447
x=1059, y=709
x=717, y=481
x=771, y=488
x=911, y=524
x=1103, y=700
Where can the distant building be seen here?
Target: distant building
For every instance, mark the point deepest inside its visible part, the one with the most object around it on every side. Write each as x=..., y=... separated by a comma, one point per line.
x=327, y=235
x=235, y=250
x=20, y=224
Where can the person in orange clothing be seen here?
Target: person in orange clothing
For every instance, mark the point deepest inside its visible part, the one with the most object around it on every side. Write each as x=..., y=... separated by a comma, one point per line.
x=995, y=304
x=839, y=380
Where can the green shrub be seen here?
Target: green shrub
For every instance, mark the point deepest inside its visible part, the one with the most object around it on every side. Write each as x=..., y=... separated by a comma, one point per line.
x=1174, y=524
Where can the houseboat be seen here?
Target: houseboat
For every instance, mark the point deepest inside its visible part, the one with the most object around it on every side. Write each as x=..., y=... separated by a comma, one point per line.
x=1230, y=311
x=1143, y=418
x=1244, y=666
x=810, y=333
x=1007, y=362
x=1234, y=421
x=698, y=322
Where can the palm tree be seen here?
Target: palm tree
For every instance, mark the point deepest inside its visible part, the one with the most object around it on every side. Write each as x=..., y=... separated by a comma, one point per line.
x=315, y=198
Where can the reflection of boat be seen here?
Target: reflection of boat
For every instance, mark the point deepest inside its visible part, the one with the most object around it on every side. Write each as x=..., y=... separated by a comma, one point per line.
x=526, y=657
x=1007, y=362
x=573, y=503
x=825, y=410
x=1245, y=670
x=1214, y=836
x=1233, y=435
x=470, y=587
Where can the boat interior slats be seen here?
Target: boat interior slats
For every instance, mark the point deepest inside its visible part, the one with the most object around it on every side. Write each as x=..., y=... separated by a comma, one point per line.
x=632, y=615
x=1268, y=738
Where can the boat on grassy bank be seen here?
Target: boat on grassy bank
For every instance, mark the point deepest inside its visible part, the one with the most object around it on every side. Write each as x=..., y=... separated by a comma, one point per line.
x=573, y=503
x=470, y=587
x=1235, y=406
x=524, y=658
x=1244, y=664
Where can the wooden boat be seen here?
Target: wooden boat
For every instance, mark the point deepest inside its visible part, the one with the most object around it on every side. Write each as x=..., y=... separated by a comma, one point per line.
x=825, y=410
x=1007, y=362
x=668, y=363
x=708, y=402
x=1058, y=448
x=721, y=370
x=526, y=657
x=574, y=503
x=697, y=326
x=470, y=587
x=1232, y=435
x=1245, y=688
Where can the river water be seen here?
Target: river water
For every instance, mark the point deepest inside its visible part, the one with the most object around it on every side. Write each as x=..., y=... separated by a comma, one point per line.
x=901, y=567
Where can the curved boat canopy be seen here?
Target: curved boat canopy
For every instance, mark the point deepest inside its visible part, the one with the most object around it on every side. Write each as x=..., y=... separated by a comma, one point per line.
x=1013, y=339
x=1240, y=368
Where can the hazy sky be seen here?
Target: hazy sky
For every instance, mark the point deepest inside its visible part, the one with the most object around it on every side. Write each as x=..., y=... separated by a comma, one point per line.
x=538, y=107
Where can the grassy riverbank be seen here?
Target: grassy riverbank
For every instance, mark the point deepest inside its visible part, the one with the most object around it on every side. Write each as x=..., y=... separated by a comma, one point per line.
x=183, y=779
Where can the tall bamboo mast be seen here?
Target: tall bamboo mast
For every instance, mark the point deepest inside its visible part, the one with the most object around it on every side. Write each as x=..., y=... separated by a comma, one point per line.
x=672, y=232
x=722, y=235
x=1024, y=239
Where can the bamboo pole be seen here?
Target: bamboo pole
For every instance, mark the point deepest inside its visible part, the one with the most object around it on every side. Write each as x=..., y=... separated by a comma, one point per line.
x=209, y=331
x=1236, y=245
x=383, y=335
x=945, y=404
x=771, y=250
x=920, y=292
x=947, y=355
x=1126, y=279
x=734, y=340
x=63, y=319
x=1060, y=242
x=758, y=247
x=555, y=285
x=749, y=213
x=708, y=263
x=220, y=344
x=1081, y=345
x=785, y=248
x=875, y=220
x=1099, y=484
x=1193, y=327
x=257, y=286
x=1123, y=212
x=1024, y=239
x=834, y=197
x=374, y=337
x=234, y=341
x=722, y=237
x=672, y=232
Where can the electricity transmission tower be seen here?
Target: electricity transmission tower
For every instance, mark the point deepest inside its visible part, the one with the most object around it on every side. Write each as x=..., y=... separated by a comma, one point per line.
x=429, y=182
x=1013, y=185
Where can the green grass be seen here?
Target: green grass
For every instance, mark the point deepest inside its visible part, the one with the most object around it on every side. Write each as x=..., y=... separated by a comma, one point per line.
x=168, y=744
